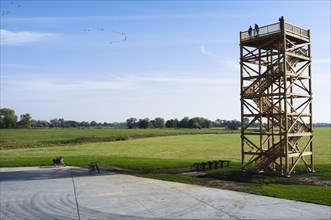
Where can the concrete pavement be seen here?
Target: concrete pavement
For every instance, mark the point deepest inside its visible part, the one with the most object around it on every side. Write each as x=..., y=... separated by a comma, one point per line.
x=72, y=193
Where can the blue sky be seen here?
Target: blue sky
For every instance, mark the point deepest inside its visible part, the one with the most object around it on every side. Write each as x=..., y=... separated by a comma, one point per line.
x=70, y=59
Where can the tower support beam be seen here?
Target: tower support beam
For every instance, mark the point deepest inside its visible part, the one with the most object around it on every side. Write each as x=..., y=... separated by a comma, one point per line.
x=276, y=98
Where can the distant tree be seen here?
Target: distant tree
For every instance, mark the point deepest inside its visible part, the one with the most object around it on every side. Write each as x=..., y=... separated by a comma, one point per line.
x=84, y=124
x=25, y=121
x=246, y=121
x=93, y=123
x=8, y=118
x=54, y=123
x=145, y=123
x=219, y=123
x=42, y=124
x=168, y=124
x=72, y=124
x=194, y=123
x=233, y=125
x=322, y=124
x=39, y=124
x=183, y=123
x=203, y=122
x=207, y=124
x=34, y=123
x=118, y=124
x=175, y=122
x=158, y=122
x=62, y=123
x=172, y=123
x=132, y=123
x=257, y=124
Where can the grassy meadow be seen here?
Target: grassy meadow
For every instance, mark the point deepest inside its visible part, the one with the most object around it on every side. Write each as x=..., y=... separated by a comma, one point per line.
x=141, y=151
x=27, y=138
x=154, y=149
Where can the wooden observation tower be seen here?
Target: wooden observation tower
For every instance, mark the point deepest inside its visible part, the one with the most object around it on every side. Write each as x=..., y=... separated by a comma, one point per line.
x=276, y=98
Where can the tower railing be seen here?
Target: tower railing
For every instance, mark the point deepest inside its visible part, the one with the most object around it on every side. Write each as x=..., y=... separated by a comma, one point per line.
x=297, y=30
x=272, y=29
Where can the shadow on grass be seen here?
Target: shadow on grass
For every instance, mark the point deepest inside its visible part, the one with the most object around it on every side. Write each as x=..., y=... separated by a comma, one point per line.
x=321, y=176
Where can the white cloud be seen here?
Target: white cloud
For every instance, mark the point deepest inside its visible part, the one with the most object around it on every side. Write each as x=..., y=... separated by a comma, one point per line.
x=14, y=38
x=191, y=80
x=56, y=86
x=177, y=78
x=118, y=82
x=204, y=50
x=225, y=62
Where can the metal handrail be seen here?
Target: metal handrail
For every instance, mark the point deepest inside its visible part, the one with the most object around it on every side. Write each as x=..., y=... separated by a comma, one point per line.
x=272, y=29
x=296, y=30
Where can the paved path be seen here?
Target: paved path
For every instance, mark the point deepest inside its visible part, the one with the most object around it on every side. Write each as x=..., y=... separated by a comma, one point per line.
x=71, y=193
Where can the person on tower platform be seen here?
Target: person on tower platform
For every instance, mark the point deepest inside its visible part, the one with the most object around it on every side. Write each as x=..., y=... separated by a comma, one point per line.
x=250, y=31
x=257, y=29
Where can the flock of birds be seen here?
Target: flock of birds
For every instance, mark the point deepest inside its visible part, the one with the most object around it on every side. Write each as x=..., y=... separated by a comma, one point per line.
x=120, y=36
x=13, y=4
x=123, y=35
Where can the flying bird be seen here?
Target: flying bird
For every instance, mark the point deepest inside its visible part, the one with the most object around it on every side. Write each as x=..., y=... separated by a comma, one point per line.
x=5, y=13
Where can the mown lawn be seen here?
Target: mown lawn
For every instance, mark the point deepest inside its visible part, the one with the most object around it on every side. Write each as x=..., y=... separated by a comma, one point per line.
x=138, y=154
x=27, y=138
x=304, y=193
x=185, y=148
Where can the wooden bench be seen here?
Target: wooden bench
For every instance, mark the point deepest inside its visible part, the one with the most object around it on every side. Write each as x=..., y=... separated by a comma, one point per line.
x=222, y=162
x=202, y=166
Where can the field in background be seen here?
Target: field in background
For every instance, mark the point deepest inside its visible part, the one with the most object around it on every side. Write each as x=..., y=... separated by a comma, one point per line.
x=24, y=138
x=146, y=151
x=181, y=145
x=137, y=154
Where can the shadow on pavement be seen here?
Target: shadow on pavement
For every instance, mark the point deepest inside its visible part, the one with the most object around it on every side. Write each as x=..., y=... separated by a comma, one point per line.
x=43, y=173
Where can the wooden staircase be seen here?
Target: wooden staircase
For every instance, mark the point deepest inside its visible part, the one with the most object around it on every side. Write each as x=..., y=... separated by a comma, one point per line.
x=269, y=156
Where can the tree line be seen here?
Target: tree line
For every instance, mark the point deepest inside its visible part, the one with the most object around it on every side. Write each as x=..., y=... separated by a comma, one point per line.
x=8, y=119
x=186, y=122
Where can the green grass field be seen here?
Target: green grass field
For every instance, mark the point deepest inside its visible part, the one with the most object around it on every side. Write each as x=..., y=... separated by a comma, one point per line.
x=148, y=150
x=27, y=138
x=137, y=154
